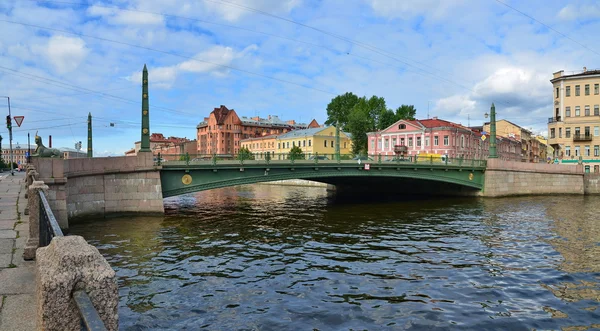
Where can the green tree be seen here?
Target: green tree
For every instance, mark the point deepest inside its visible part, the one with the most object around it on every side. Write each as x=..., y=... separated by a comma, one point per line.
x=339, y=109
x=296, y=153
x=406, y=112
x=360, y=122
x=245, y=154
x=387, y=118
x=376, y=107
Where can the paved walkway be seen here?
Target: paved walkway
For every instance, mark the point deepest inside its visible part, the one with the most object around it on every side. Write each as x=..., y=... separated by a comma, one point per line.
x=17, y=277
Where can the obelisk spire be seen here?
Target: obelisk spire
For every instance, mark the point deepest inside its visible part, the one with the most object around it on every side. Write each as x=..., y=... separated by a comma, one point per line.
x=145, y=145
x=90, y=151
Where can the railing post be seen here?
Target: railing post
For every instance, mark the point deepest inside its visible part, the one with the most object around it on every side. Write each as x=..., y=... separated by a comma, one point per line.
x=158, y=159
x=33, y=202
x=187, y=158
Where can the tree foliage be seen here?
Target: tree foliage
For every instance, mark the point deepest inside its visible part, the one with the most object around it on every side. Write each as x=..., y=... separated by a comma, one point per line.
x=339, y=109
x=296, y=153
x=362, y=115
x=245, y=154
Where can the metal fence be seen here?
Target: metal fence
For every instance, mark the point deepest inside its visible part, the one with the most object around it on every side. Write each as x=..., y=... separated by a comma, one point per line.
x=306, y=158
x=49, y=228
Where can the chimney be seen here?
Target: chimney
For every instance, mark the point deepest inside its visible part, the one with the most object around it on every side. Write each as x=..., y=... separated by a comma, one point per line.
x=435, y=117
x=50, y=141
x=584, y=69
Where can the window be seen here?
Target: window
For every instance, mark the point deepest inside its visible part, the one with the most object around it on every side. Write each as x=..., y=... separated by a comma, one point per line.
x=587, y=110
x=597, y=131
x=568, y=91
x=379, y=143
x=596, y=89
x=577, y=131
x=387, y=143
x=557, y=92
x=553, y=133
x=403, y=126
x=587, y=89
x=559, y=132
x=587, y=131
x=436, y=141
x=304, y=143
x=568, y=112
x=587, y=150
x=427, y=141
x=402, y=141
x=418, y=141
x=462, y=141
x=309, y=141
x=596, y=150
x=577, y=90
x=596, y=110
x=293, y=144
x=577, y=151
x=325, y=143
x=446, y=141
x=568, y=151
x=393, y=141
x=344, y=145
x=567, y=132
x=288, y=144
x=332, y=143
x=410, y=141
x=577, y=110
x=372, y=144
x=299, y=141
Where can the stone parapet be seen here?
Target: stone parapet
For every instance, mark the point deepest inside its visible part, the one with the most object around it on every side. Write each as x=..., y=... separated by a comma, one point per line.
x=497, y=164
x=591, y=183
x=33, y=204
x=67, y=265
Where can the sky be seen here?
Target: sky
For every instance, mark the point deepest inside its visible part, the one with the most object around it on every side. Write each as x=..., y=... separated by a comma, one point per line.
x=60, y=60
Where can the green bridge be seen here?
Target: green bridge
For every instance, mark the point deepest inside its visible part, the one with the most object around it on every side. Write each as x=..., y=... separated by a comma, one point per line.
x=183, y=174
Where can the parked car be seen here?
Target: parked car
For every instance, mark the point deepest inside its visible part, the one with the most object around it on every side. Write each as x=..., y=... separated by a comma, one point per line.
x=399, y=159
x=318, y=157
x=362, y=158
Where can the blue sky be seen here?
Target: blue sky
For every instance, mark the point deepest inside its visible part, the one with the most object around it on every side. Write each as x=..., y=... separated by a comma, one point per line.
x=453, y=57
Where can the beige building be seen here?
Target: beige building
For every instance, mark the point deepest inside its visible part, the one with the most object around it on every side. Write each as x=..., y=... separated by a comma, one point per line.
x=574, y=128
x=261, y=146
x=530, y=146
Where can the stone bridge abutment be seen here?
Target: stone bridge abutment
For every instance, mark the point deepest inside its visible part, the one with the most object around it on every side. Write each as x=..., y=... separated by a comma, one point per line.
x=101, y=185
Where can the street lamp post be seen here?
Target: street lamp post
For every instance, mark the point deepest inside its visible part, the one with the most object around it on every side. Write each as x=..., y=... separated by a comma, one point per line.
x=9, y=127
x=493, y=153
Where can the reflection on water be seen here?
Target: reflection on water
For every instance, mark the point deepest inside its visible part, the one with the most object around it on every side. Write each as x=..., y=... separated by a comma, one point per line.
x=293, y=258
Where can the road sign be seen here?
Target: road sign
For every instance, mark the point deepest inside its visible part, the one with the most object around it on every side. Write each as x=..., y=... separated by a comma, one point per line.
x=18, y=120
x=26, y=154
x=483, y=138
x=367, y=166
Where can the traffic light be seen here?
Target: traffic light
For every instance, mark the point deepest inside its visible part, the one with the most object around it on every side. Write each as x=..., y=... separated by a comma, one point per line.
x=8, y=122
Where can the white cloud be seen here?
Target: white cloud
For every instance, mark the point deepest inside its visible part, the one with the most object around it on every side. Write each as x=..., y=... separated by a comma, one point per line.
x=121, y=17
x=233, y=11
x=456, y=104
x=66, y=53
x=164, y=77
x=406, y=9
x=584, y=11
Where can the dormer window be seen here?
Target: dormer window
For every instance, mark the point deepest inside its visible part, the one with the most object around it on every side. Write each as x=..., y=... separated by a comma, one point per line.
x=402, y=126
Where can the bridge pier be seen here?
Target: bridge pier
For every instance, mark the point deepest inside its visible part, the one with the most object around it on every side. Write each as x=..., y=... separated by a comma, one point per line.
x=101, y=186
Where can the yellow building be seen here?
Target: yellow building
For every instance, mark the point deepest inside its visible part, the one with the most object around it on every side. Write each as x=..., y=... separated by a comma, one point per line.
x=261, y=146
x=546, y=151
x=530, y=147
x=574, y=128
x=311, y=141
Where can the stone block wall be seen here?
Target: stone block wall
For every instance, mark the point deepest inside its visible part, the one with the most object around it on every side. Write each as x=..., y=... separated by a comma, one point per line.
x=506, y=178
x=101, y=186
x=591, y=183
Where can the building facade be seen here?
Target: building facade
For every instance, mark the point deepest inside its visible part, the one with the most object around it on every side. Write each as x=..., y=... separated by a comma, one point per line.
x=437, y=137
x=313, y=141
x=221, y=132
x=574, y=128
x=158, y=141
x=19, y=154
x=530, y=146
x=261, y=146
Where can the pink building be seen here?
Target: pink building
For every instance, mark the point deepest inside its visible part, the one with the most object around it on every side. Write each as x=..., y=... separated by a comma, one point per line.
x=435, y=136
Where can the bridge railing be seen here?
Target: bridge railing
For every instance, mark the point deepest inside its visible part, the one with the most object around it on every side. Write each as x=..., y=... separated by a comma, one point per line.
x=48, y=229
x=310, y=158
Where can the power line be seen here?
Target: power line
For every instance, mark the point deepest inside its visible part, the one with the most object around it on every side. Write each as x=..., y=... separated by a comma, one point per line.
x=277, y=36
x=168, y=53
x=547, y=26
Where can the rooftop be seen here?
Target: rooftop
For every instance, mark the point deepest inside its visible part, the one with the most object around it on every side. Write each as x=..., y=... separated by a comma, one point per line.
x=572, y=74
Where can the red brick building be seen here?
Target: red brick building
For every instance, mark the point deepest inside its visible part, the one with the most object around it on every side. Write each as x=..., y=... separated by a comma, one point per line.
x=222, y=130
x=161, y=144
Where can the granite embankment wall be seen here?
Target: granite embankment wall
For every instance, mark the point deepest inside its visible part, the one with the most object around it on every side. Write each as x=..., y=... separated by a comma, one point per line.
x=505, y=178
x=592, y=183
x=101, y=186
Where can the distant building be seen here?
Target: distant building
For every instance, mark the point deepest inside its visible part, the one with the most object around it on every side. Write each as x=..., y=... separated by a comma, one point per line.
x=530, y=145
x=574, y=128
x=159, y=141
x=261, y=146
x=222, y=131
x=19, y=156
x=71, y=153
x=319, y=140
x=438, y=137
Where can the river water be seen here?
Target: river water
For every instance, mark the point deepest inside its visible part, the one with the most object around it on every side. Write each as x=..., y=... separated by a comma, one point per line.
x=265, y=257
